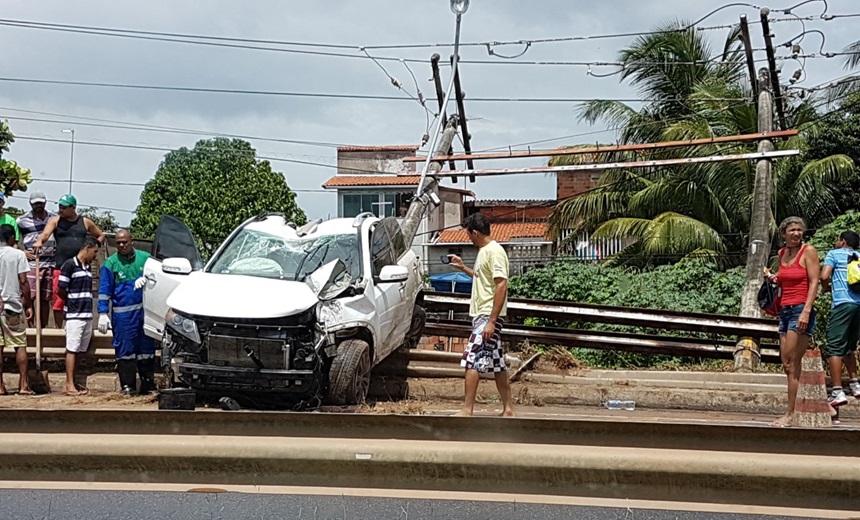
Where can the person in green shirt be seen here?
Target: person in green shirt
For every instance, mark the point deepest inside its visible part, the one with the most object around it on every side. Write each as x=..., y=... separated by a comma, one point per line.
x=6, y=218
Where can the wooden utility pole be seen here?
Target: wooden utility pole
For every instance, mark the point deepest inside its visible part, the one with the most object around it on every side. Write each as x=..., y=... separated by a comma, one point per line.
x=748, y=52
x=761, y=222
x=771, y=63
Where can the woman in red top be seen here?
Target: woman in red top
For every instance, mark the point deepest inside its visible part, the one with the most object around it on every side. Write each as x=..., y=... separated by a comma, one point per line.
x=798, y=279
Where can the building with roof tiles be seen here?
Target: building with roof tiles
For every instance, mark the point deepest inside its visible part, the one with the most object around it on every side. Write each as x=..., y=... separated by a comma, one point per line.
x=371, y=178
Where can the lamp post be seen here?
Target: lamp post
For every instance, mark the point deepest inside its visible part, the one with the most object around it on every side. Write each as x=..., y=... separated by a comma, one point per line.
x=459, y=8
x=72, y=158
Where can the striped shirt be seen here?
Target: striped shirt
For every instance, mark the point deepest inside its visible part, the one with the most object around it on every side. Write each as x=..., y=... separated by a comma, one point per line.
x=31, y=227
x=77, y=279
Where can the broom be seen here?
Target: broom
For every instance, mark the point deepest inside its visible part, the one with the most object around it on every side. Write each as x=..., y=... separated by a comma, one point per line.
x=39, y=381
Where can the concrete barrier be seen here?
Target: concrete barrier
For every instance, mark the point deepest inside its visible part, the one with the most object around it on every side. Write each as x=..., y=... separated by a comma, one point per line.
x=612, y=472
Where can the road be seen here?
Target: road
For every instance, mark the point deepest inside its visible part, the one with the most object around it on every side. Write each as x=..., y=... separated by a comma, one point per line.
x=70, y=504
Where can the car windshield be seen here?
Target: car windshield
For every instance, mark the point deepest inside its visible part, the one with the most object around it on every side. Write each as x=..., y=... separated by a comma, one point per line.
x=254, y=253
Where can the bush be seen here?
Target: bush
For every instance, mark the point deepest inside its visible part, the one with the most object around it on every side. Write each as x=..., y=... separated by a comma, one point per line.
x=693, y=286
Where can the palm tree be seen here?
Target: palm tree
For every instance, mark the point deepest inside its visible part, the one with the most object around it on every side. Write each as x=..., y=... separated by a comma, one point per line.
x=665, y=215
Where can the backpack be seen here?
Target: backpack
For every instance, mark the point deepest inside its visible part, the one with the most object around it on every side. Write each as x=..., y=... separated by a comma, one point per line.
x=853, y=277
x=769, y=296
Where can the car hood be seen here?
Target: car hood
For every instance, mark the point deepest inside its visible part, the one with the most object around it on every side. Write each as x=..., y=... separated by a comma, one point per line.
x=238, y=296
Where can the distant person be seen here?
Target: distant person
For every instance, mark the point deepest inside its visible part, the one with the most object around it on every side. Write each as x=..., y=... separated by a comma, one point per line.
x=75, y=286
x=402, y=211
x=843, y=326
x=70, y=231
x=15, y=306
x=488, y=308
x=6, y=218
x=798, y=278
x=121, y=285
x=31, y=225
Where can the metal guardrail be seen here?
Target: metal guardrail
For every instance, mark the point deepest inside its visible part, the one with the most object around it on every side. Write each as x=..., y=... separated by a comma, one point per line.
x=719, y=324
x=638, y=343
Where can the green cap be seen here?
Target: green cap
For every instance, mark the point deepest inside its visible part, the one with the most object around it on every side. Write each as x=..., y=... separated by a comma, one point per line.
x=68, y=200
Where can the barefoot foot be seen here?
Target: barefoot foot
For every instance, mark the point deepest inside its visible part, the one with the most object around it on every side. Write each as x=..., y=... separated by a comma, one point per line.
x=463, y=413
x=782, y=422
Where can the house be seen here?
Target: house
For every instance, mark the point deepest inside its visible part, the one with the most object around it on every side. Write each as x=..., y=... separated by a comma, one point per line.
x=370, y=178
x=519, y=226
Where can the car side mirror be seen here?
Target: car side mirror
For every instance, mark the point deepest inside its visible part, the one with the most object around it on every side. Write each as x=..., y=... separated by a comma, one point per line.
x=393, y=274
x=176, y=266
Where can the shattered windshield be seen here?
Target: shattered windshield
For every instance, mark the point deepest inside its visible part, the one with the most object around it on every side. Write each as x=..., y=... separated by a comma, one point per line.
x=254, y=253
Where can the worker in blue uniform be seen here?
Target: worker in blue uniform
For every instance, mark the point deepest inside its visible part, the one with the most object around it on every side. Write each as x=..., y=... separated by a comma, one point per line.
x=121, y=285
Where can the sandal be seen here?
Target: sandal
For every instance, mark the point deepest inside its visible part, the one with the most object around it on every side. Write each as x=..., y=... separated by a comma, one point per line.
x=26, y=392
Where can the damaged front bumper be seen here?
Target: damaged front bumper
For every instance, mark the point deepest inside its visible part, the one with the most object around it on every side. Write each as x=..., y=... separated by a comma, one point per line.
x=300, y=383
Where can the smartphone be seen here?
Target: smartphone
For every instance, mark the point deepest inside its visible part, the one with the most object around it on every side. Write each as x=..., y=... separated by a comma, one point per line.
x=446, y=259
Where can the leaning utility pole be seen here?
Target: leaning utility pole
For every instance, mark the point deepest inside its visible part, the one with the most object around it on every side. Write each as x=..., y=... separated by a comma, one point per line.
x=412, y=220
x=747, y=352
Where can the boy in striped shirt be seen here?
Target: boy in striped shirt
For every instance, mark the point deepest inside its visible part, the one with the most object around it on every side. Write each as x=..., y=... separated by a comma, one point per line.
x=75, y=286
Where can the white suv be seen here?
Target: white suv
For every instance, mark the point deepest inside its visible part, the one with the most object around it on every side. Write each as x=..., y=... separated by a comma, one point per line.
x=282, y=315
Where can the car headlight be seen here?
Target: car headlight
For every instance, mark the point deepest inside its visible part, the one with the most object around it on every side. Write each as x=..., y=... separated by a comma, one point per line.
x=183, y=326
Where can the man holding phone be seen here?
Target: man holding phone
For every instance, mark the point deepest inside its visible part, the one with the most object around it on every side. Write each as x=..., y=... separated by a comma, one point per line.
x=488, y=308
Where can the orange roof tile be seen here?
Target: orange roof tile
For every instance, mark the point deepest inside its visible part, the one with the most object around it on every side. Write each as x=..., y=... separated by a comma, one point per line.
x=502, y=232
x=358, y=181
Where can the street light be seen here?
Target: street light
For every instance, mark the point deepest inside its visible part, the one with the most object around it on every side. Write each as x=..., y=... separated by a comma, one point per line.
x=72, y=158
x=458, y=7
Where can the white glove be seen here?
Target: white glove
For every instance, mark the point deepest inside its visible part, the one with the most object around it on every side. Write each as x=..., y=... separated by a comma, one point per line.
x=104, y=323
x=140, y=283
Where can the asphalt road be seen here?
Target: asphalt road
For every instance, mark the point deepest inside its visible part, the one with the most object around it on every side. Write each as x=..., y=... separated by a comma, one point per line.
x=120, y=505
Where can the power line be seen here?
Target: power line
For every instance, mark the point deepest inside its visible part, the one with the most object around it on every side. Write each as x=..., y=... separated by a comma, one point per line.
x=312, y=94
x=143, y=184
x=142, y=127
x=80, y=205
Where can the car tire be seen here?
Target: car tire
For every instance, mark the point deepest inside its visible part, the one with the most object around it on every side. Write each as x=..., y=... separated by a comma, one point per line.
x=349, y=375
x=416, y=328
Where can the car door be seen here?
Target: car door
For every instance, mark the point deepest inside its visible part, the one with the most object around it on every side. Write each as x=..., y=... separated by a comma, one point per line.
x=401, y=311
x=173, y=239
x=385, y=295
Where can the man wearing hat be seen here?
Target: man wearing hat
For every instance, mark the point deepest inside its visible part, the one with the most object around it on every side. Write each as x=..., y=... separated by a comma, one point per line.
x=31, y=225
x=5, y=218
x=70, y=231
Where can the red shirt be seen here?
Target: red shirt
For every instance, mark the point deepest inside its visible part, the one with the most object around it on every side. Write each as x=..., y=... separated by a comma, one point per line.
x=793, y=279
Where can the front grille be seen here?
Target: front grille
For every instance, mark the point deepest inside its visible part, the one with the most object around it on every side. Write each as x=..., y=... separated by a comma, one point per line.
x=230, y=351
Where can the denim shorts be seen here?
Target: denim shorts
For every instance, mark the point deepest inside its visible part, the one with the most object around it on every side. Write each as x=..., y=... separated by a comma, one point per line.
x=788, y=319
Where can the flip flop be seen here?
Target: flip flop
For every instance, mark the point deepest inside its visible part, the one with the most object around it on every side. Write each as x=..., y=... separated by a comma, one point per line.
x=77, y=392
x=26, y=392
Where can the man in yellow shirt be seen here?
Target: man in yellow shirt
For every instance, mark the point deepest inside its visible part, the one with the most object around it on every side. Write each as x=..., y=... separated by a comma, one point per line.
x=488, y=308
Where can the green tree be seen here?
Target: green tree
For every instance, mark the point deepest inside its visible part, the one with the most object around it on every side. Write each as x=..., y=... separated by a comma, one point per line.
x=213, y=188
x=672, y=213
x=840, y=133
x=105, y=220
x=12, y=177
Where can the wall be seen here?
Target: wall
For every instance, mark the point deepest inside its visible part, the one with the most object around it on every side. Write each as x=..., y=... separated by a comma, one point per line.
x=390, y=161
x=435, y=252
x=569, y=184
x=451, y=208
x=511, y=213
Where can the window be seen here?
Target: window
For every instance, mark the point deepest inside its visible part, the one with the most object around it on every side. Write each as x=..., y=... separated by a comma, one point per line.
x=355, y=203
x=395, y=234
x=381, y=252
x=380, y=204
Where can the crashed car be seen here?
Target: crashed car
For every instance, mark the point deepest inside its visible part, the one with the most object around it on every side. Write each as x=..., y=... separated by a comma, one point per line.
x=284, y=313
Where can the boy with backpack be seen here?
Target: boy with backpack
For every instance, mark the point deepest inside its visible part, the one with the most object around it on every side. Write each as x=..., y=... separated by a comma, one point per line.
x=840, y=275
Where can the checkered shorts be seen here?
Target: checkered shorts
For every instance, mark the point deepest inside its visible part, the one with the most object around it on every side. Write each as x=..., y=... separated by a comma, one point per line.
x=484, y=356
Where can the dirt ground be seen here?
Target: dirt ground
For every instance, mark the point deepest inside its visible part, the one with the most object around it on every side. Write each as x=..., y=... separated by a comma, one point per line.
x=427, y=397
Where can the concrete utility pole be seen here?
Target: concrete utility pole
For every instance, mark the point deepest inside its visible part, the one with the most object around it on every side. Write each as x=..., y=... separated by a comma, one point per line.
x=747, y=352
x=412, y=220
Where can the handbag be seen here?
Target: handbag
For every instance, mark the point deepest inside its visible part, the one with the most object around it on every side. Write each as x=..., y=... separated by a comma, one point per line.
x=769, y=296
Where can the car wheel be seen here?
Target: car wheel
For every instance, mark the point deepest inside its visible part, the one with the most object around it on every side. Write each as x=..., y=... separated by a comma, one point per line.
x=349, y=376
x=416, y=328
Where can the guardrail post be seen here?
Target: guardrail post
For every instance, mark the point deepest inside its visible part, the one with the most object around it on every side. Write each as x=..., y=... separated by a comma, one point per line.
x=747, y=356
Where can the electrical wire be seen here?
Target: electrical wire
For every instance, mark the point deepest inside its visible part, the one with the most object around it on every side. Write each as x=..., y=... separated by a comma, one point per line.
x=308, y=94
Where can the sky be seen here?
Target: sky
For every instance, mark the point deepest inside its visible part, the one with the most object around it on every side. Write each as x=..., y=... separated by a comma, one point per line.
x=132, y=156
